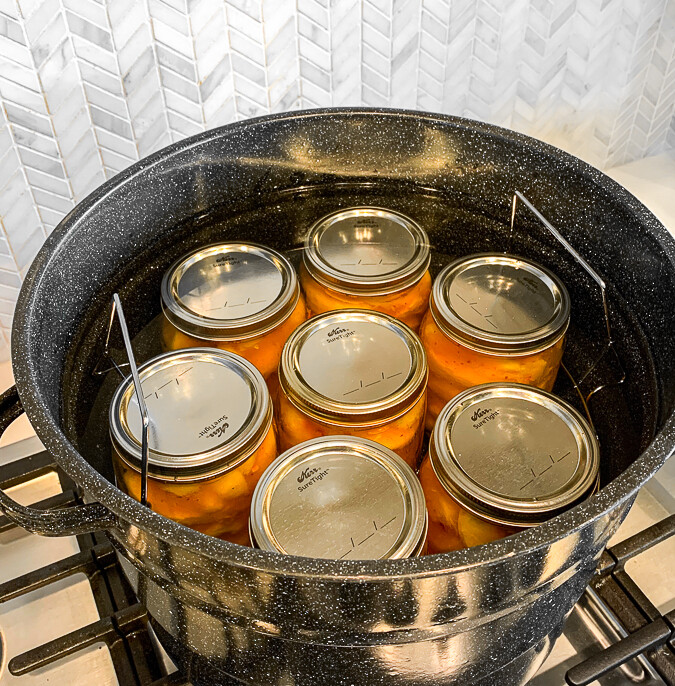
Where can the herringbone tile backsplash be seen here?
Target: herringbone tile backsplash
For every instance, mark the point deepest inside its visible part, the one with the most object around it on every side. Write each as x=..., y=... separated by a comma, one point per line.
x=89, y=86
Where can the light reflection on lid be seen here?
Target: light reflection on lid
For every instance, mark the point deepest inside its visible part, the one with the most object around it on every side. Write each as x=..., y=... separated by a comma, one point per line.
x=513, y=453
x=229, y=291
x=353, y=365
x=208, y=410
x=367, y=251
x=339, y=497
x=500, y=303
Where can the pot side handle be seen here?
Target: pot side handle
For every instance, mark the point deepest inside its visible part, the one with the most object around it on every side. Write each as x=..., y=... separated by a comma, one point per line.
x=67, y=521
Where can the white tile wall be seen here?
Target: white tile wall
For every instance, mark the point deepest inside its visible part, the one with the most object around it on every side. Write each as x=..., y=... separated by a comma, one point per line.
x=89, y=86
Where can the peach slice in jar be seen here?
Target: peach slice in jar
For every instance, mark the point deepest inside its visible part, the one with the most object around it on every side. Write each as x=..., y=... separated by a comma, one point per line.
x=493, y=318
x=443, y=511
x=368, y=258
x=240, y=297
x=502, y=458
x=211, y=438
x=402, y=434
x=408, y=305
x=354, y=372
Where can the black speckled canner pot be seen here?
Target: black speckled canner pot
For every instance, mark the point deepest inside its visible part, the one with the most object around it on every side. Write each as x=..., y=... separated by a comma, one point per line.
x=229, y=614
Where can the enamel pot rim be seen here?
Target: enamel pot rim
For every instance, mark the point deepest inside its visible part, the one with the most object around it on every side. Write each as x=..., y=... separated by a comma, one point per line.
x=127, y=510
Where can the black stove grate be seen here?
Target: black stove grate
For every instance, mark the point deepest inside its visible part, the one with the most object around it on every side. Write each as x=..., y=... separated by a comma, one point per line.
x=649, y=633
x=124, y=626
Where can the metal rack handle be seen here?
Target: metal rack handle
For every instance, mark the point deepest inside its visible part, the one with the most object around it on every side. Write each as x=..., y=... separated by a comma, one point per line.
x=138, y=391
x=590, y=271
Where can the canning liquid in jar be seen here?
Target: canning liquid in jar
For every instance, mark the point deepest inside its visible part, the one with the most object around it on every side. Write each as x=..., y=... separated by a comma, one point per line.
x=211, y=436
x=353, y=372
x=240, y=297
x=503, y=457
x=367, y=258
x=341, y=498
x=493, y=318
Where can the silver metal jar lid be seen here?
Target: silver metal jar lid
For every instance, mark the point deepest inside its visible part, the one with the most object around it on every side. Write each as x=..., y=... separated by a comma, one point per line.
x=339, y=497
x=514, y=454
x=229, y=291
x=367, y=251
x=500, y=304
x=209, y=410
x=356, y=366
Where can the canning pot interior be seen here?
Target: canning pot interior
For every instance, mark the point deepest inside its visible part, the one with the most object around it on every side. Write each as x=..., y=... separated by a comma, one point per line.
x=625, y=415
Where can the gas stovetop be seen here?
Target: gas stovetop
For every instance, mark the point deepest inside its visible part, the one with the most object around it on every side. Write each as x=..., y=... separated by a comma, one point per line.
x=67, y=615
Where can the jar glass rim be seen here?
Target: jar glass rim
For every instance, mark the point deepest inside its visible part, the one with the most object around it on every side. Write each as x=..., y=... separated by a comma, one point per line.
x=265, y=269
x=491, y=417
x=301, y=390
x=408, y=259
x=535, y=305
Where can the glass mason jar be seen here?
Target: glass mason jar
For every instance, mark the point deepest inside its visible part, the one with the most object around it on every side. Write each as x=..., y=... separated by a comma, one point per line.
x=211, y=437
x=240, y=297
x=367, y=258
x=340, y=498
x=503, y=457
x=493, y=318
x=353, y=372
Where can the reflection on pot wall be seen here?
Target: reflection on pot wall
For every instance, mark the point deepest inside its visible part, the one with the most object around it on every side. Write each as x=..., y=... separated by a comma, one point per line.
x=88, y=87
x=265, y=628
